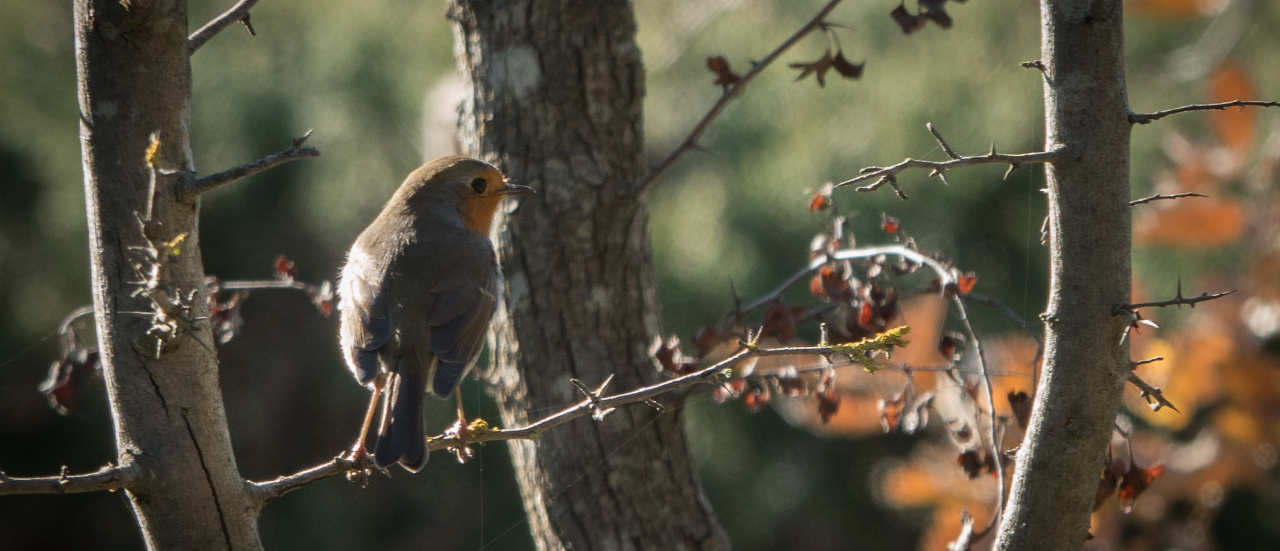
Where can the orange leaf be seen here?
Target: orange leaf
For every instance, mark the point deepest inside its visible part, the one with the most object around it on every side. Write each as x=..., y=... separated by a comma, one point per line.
x=1234, y=126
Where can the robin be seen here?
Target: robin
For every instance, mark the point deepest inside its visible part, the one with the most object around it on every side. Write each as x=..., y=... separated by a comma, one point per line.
x=416, y=296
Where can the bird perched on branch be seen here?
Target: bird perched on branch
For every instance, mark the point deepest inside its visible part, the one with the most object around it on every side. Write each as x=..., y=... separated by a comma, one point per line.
x=416, y=296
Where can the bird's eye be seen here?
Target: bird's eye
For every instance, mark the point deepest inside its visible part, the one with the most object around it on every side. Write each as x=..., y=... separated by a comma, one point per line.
x=478, y=184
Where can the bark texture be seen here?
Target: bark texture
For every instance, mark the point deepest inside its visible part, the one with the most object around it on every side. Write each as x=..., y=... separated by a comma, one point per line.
x=1085, y=363
x=134, y=80
x=556, y=102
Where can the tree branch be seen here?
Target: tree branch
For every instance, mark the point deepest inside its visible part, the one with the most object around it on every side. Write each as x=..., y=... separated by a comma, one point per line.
x=1177, y=300
x=292, y=153
x=238, y=12
x=888, y=175
x=1144, y=118
x=109, y=477
x=1160, y=196
x=997, y=457
x=595, y=404
x=1153, y=395
x=732, y=91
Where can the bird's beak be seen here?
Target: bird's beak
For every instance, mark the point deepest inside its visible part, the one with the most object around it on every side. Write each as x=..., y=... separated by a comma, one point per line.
x=517, y=189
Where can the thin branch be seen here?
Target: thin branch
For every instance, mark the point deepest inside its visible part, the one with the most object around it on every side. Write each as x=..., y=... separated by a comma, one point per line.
x=238, y=12
x=292, y=153
x=996, y=456
x=888, y=175
x=1153, y=395
x=108, y=478
x=1177, y=300
x=691, y=141
x=1144, y=118
x=941, y=142
x=1160, y=196
x=595, y=404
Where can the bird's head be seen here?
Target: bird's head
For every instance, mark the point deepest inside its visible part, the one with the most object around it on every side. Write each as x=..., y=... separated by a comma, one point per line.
x=474, y=189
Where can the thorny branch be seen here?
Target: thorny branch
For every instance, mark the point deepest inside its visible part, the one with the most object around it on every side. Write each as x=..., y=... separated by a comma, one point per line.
x=888, y=174
x=109, y=478
x=238, y=12
x=1162, y=196
x=1177, y=300
x=595, y=404
x=1144, y=118
x=294, y=152
x=1153, y=395
x=732, y=91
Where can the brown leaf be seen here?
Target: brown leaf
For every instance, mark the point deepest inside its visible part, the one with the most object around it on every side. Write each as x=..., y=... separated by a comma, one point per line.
x=845, y=68
x=62, y=385
x=889, y=224
x=951, y=346
x=285, y=269
x=891, y=411
x=828, y=403
x=906, y=21
x=935, y=10
x=1020, y=403
x=1136, y=480
x=666, y=356
x=1108, y=479
x=756, y=398
x=818, y=67
x=780, y=321
x=720, y=66
x=819, y=202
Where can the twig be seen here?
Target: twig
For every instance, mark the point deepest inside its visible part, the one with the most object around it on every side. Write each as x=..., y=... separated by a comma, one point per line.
x=292, y=153
x=691, y=141
x=996, y=456
x=591, y=405
x=108, y=478
x=888, y=175
x=238, y=12
x=1144, y=118
x=1177, y=300
x=1160, y=196
x=1151, y=394
x=941, y=142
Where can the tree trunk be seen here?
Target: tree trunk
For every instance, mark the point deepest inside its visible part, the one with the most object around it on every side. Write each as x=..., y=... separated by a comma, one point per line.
x=1085, y=362
x=556, y=102
x=166, y=405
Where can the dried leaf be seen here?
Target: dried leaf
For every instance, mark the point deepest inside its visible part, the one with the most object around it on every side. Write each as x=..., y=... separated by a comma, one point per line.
x=906, y=21
x=1020, y=403
x=66, y=375
x=1136, y=480
x=818, y=67
x=720, y=66
x=889, y=224
x=284, y=269
x=845, y=68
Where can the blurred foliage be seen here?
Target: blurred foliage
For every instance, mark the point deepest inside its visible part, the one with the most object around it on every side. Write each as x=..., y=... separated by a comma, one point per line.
x=370, y=80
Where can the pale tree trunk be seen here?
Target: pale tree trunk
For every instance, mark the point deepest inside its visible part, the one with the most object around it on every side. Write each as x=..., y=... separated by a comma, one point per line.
x=556, y=98
x=135, y=80
x=1085, y=362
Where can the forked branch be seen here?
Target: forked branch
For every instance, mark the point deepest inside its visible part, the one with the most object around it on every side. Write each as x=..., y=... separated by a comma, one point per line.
x=888, y=174
x=1177, y=300
x=732, y=91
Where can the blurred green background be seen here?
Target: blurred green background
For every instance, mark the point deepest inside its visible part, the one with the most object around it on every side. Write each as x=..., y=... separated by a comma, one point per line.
x=377, y=84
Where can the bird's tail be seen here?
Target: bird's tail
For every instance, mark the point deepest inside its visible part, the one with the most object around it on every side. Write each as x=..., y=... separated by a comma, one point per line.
x=400, y=435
